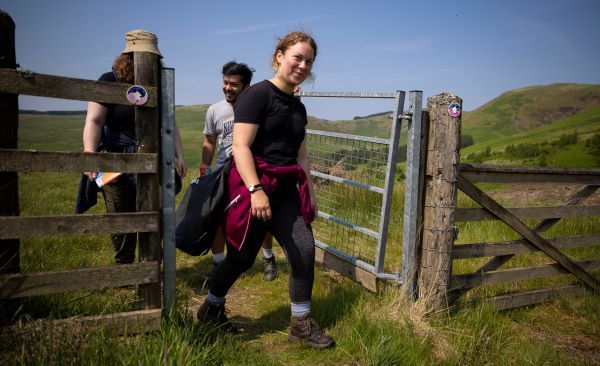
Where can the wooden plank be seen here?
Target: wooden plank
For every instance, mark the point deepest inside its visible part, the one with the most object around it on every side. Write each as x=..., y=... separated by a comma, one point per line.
x=147, y=127
x=538, y=212
x=53, y=161
x=477, y=250
x=127, y=323
x=466, y=281
x=466, y=168
x=42, y=85
x=479, y=173
x=12, y=227
x=367, y=279
x=535, y=297
x=486, y=201
x=44, y=283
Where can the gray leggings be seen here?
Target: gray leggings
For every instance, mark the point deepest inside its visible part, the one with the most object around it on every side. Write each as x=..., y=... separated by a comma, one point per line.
x=296, y=240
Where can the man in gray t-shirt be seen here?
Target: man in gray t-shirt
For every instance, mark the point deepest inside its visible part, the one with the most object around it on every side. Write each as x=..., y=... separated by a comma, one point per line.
x=219, y=125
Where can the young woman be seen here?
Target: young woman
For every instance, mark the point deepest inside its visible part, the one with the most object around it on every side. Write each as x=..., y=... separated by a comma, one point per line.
x=270, y=188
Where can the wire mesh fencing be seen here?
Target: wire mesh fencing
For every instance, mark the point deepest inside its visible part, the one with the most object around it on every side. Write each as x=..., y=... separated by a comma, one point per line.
x=349, y=173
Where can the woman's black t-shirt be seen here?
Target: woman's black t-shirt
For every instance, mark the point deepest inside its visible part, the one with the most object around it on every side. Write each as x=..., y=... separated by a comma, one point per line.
x=281, y=118
x=119, y=118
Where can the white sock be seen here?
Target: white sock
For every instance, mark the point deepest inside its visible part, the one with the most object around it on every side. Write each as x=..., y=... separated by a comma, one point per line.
x=218, y=257
x=267, y=253
x=215, y=300
x=300, y=309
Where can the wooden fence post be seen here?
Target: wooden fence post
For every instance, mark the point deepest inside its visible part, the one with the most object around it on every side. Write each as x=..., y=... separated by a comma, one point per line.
x=9, y=181
x=441, y=176
x=147, y=127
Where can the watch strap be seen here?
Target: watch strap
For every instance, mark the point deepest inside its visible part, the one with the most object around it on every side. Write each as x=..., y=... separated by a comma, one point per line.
x=255, y=187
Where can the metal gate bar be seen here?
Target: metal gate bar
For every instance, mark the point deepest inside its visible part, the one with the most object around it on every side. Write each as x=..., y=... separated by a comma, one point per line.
x=168, y=185
x=412, y=194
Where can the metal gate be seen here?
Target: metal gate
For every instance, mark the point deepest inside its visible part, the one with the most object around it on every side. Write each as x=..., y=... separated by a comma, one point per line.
x=354, y=178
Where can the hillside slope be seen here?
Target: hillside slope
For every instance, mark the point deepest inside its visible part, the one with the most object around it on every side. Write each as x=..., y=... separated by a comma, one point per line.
x=565, y=143
x=528, y=108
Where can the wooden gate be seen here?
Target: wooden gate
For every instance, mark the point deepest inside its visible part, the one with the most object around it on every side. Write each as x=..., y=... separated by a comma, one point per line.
x=147, y=272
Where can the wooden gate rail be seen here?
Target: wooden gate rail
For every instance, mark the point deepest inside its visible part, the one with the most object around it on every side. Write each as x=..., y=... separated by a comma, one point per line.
x=73, y=162
x=478, y=173
x=538, y=212
x=14, y=227
x=467, y=281
x=30, y=83
x=479, y=250
x=510, y=301
x=128, y=323
x=53, y=282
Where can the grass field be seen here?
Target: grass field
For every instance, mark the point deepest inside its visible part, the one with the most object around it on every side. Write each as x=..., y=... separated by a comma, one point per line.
x=370, y=329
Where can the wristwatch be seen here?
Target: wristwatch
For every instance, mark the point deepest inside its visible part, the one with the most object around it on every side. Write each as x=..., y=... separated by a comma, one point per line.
x=255, y=187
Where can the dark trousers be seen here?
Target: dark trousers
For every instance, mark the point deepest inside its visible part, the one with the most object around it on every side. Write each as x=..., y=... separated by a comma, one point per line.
x=296, y=240
x=120, y=196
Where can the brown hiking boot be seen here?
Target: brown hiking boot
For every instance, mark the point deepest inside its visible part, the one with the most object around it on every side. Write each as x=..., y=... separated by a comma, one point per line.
x=304, y=329
x=208, y=313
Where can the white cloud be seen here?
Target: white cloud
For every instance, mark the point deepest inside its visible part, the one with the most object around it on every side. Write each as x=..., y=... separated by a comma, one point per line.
x=257, y=27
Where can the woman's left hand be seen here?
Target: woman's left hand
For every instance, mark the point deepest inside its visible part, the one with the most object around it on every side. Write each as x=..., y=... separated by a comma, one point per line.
x=261, y=207
x=181, y=168
x=313, y=204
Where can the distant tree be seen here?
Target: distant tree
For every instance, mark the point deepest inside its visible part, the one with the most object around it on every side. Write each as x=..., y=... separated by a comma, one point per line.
x=487, y=152
x=567, y=139
x=593, y=146
x=466, y=140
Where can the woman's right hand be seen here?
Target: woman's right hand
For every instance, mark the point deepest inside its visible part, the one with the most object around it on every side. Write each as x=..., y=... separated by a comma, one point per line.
x=261, y=208
x=91, y=175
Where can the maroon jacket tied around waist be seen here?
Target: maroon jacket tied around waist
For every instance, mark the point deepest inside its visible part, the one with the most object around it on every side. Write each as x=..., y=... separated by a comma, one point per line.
x=238, y=213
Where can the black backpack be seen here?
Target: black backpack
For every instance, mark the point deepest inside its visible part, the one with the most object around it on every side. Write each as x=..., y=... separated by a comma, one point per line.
x=199, y=214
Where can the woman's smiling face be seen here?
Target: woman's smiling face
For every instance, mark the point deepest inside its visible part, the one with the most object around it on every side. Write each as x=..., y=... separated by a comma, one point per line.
x=295, y=64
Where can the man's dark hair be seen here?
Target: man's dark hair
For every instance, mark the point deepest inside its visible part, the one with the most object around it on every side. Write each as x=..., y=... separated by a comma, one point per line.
x=234, y=68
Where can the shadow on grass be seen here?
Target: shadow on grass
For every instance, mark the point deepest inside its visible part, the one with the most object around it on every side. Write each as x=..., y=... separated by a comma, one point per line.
x=326, y=310
x=330, y=303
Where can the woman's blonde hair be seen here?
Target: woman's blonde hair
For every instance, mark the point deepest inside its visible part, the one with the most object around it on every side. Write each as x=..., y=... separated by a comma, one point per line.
x=289, y=40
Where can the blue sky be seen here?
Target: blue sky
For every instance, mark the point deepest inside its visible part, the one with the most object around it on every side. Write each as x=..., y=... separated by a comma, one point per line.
x=476, y=49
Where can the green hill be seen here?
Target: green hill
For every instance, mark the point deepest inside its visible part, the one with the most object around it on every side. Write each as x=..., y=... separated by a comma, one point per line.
x=528, y=108
x=565, y=143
